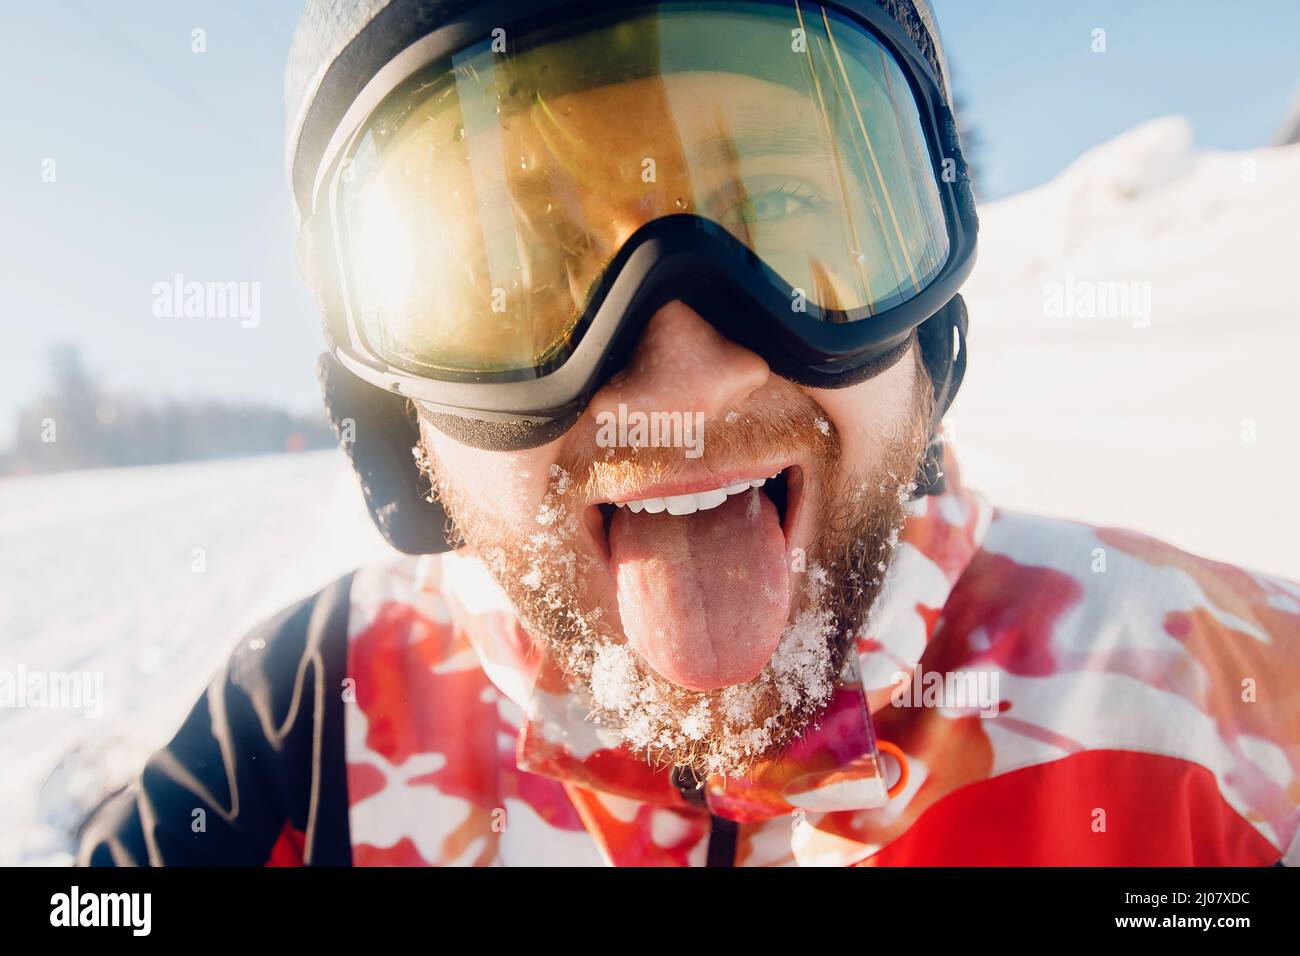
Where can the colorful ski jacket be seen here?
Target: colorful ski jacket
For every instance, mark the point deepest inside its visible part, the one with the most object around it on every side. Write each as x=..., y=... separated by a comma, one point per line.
x=1026, y=691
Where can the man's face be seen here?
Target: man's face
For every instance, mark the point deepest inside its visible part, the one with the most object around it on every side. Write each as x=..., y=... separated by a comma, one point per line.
x=709, y=638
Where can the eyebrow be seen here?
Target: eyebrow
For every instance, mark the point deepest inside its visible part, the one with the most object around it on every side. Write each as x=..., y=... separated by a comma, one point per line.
x=715, y=149
x=782, y=141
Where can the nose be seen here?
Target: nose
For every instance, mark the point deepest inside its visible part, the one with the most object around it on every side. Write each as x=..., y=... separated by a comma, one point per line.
x=682, y=364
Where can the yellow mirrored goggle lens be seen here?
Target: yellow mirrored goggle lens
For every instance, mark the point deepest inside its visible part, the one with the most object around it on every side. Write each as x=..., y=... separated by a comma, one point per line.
x=485, y=198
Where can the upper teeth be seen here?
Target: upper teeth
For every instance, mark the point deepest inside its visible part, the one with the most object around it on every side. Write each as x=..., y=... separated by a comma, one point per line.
x=689, y=504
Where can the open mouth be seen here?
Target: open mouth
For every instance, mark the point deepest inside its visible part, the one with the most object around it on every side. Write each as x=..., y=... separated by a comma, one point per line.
x=777, y=487
x=703, y=573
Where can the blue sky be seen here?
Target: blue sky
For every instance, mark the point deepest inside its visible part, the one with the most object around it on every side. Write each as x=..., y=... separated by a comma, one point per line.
x=1038, y=96
x=169, y=161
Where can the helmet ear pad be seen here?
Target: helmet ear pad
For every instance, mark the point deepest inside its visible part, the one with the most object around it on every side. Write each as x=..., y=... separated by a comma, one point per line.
x=378, y=432
x=942, y=341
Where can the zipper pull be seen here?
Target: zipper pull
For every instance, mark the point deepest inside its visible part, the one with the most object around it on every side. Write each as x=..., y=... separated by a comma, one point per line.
x=689, y=786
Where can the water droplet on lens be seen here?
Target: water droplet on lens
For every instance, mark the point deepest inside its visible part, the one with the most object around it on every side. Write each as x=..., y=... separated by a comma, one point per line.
x=459, y=134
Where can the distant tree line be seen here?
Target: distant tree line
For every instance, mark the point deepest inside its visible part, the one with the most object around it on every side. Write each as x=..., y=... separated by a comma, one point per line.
x=79, y=424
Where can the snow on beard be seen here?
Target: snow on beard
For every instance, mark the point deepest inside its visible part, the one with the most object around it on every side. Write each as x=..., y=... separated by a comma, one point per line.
x=543, y=572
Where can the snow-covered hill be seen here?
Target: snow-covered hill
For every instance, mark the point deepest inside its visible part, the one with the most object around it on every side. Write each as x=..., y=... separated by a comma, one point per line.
x=1180, y=418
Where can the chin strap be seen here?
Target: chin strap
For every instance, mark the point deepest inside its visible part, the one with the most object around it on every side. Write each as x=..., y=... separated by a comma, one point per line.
x=942, y=340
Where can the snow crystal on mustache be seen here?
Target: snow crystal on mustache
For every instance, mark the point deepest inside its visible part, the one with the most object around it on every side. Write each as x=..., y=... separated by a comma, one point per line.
x=560, y=480
x=552, y=510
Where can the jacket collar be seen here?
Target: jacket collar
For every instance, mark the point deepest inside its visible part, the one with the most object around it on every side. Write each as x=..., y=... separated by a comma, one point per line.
x=835, y=765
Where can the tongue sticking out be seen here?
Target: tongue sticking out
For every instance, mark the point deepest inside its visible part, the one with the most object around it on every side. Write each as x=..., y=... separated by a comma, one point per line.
x=703, y=597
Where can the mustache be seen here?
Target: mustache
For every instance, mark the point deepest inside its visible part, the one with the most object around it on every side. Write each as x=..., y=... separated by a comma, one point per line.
x=794, y=427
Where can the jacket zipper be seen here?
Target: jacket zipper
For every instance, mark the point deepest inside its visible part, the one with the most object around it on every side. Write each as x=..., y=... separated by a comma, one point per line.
x=722, y=832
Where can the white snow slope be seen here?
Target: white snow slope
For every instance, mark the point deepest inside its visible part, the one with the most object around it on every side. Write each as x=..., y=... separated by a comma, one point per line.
x=148, y=576
x=1184, y=424
x=1184, y=427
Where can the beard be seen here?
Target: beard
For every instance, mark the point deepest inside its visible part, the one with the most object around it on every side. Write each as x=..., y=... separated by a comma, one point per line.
x=856, y=528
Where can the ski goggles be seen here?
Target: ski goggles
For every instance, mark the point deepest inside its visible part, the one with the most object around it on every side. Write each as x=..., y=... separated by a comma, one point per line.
x=505, y=207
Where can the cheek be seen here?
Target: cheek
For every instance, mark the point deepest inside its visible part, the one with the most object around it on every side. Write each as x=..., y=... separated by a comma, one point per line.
x=505, y=485
x=869, y=417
